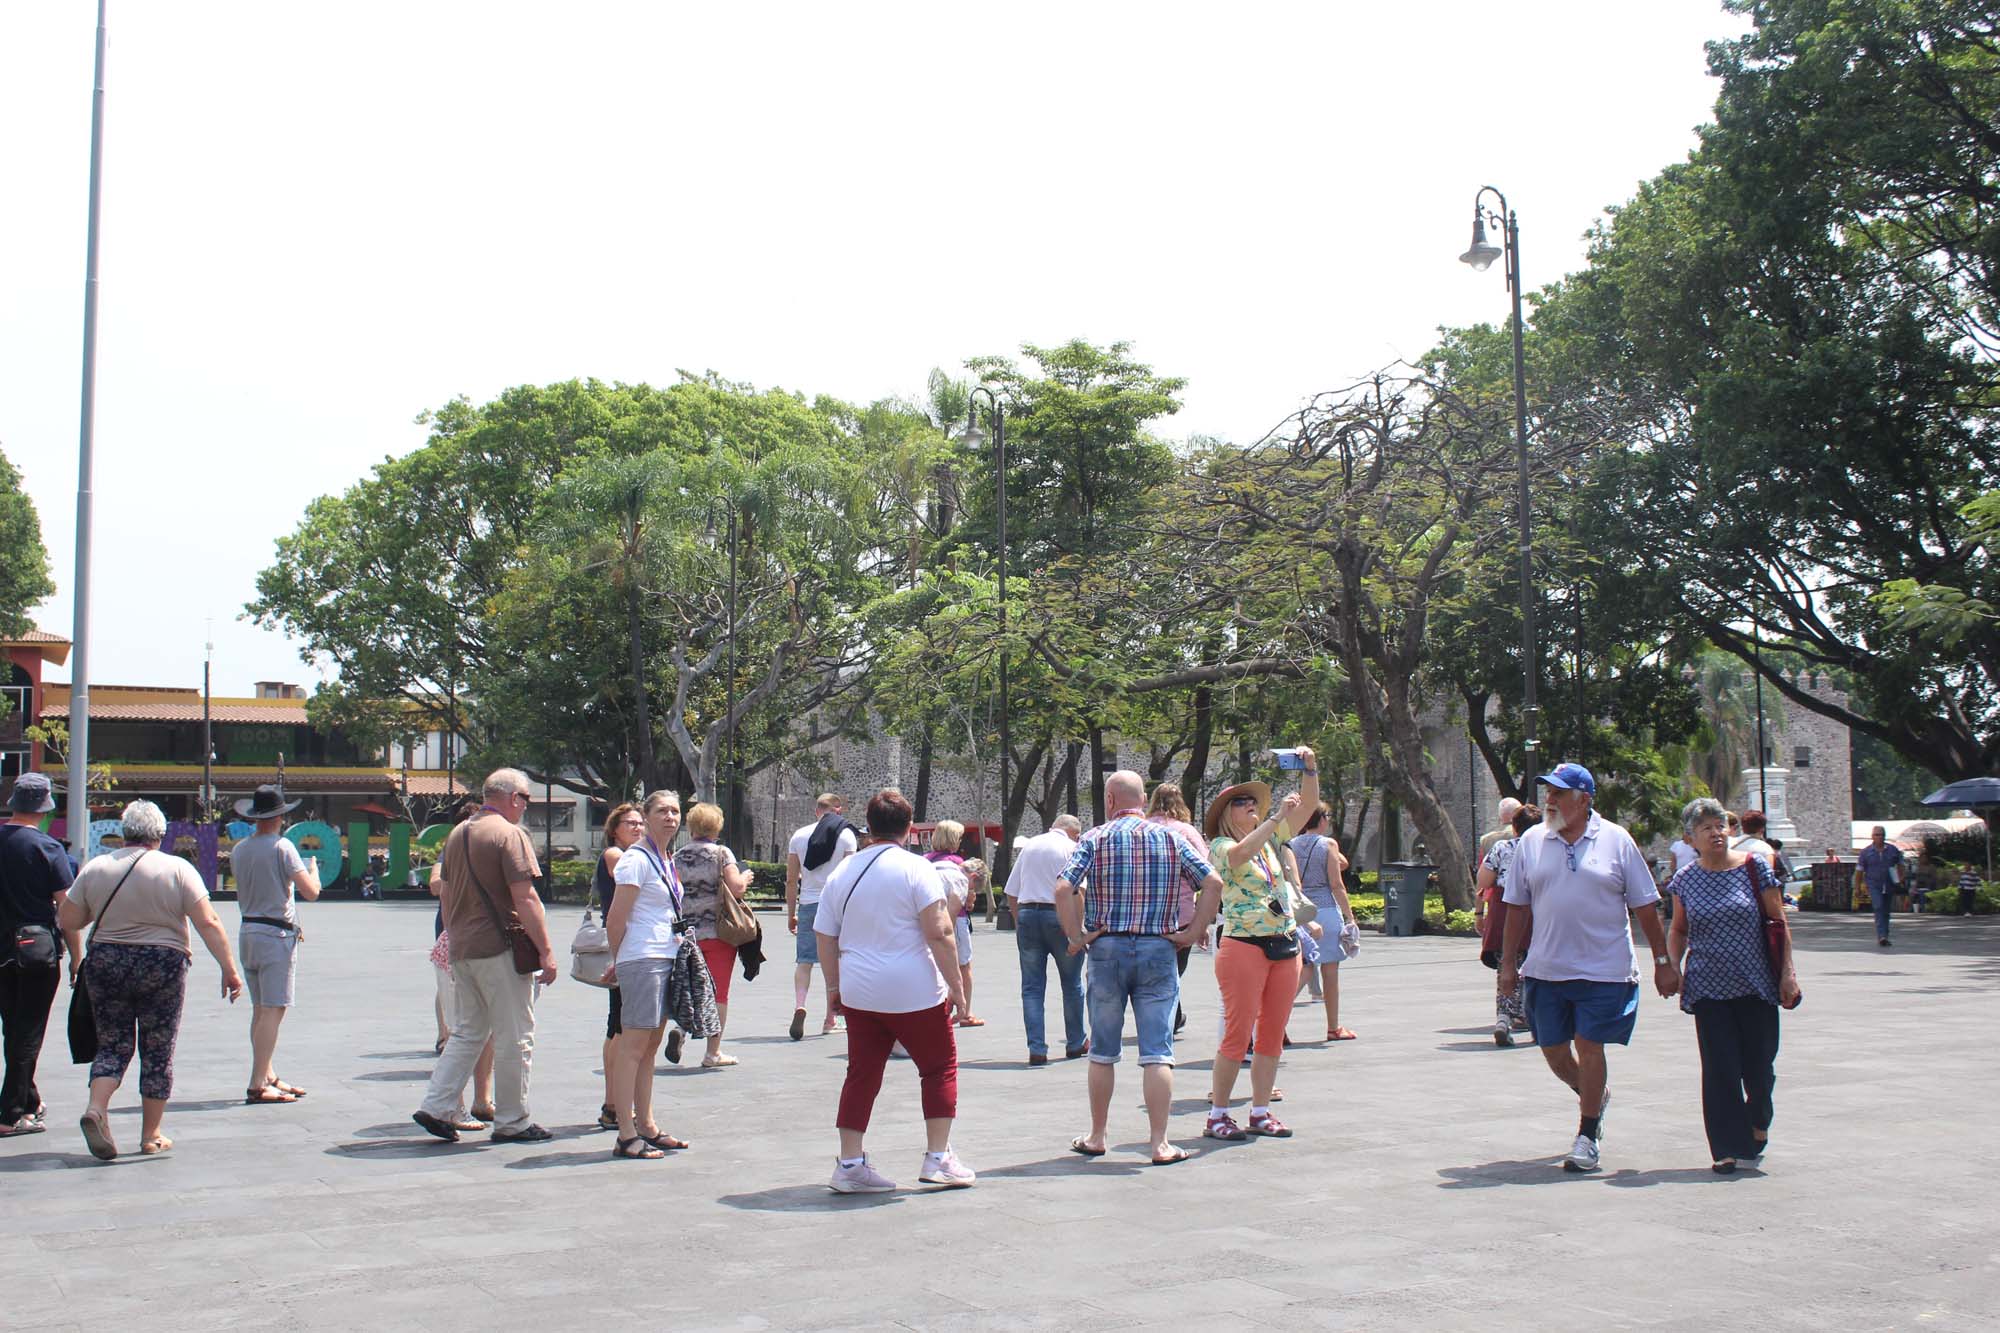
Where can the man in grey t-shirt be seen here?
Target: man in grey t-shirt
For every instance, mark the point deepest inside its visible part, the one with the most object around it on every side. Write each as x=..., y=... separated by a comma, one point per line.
x=268, y=870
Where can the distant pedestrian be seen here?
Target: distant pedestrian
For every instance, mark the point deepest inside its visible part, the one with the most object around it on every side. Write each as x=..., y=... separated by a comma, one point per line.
x=139, y=903
x=645, y=930
x=1322, y=881
x=1120, y=899
x=1257, y=962
x=1500, y=832
x=625, y=825
x=1168, y=807
x=489, y=864
x=269, y=871
x=707, y=870
x=1576, y=881
x=1880, y=866
x=813, y=854
x=944, y=854
x=1038, y=938
x=35, y=875
x=1729, y=984
x=885, y=940
x=1510, y=1014
x=479, y=1117
x=1924, y=879
x=1752, y=842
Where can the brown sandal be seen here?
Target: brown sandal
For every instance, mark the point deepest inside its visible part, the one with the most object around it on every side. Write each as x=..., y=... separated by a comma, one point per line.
x=664, y=1141
x=268, y=1095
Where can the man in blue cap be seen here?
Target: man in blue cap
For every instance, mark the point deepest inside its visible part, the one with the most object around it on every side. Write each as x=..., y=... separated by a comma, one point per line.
x=1577, y=879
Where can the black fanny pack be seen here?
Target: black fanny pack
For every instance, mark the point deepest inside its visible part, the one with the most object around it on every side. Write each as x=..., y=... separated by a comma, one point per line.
x=289, y=927
x=32, y=945
x=1277, y=948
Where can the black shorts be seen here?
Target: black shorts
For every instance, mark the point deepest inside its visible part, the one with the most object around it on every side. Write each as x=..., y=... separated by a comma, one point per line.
x=612, y=1025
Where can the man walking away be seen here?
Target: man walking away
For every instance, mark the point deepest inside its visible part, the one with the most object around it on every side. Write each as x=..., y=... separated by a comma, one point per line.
x=35, y=875
x=816, y=851
x=1576, y=881
x=1038, y=937
x=489, y=868
x=268, y=870
x=1128, y=919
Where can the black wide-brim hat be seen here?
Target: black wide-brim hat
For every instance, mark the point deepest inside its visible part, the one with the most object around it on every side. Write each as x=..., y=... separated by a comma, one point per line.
x=266, y=804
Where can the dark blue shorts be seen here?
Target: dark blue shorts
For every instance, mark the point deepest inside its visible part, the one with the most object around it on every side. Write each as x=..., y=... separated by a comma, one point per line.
x=1599, y=1011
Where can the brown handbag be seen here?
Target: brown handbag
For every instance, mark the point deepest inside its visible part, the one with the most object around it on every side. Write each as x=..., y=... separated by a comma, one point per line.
x=735, y=923
x=527, y=955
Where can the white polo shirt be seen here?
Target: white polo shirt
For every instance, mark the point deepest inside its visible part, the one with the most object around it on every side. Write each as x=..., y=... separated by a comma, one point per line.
x=1039, y=866
x=1581, y=895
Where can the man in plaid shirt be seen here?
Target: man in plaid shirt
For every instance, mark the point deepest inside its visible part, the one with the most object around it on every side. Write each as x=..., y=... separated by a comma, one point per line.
x=1119, y=898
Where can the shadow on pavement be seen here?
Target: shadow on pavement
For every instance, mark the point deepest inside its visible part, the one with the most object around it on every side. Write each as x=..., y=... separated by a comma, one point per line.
x=52, y=1161
x=1679, y=1175
x=426, y=1054
x=218, y=1104
x=396, y=1076
x=1535, y=1171
x=394, y=1150
x=811, y=1199
x=599, y=1157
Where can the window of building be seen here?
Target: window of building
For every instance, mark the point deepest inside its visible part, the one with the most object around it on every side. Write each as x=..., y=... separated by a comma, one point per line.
x=1802, y=756
x=545, y=818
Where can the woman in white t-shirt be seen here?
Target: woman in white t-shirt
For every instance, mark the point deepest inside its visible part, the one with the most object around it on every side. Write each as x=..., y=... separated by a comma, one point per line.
x=644, y=929
x=886, y=942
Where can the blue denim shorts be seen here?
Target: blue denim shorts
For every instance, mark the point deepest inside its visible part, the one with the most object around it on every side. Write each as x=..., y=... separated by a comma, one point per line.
x=1599, y=1011
x=807, y=950
x=1138, y=968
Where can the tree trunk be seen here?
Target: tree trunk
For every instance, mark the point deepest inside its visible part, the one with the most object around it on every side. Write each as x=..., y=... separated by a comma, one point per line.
x=1196, y=772
x=1097, y=773
x=1012, y=804
x=1409, y=778
x=922, y=800
x=642, y=707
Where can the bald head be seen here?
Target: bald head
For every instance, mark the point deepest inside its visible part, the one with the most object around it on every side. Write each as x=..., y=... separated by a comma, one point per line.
x=1124, y=789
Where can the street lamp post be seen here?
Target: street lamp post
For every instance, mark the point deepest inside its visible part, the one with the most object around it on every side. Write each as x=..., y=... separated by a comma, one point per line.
x=974, y=440
x=1480, y=255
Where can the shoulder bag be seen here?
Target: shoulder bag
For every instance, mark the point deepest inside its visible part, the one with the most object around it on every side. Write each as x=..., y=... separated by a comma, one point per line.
x=590, y=951
x=83, y=1018
x=527, y=957
x=1772, y=929
x=735, y=923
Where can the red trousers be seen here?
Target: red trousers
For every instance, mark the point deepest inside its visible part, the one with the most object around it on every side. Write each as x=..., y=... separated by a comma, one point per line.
x=928, y=1036
x=721, y=960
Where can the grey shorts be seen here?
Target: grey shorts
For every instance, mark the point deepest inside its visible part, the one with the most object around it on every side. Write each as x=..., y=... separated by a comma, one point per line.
x=270, y=960
x=642, y=992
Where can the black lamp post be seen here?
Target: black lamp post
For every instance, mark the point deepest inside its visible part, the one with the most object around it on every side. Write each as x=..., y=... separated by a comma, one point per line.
x=1481, y=255
x=974, y=440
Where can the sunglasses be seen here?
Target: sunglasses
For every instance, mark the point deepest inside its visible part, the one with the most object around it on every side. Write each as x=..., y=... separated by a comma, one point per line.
x=1249, y=801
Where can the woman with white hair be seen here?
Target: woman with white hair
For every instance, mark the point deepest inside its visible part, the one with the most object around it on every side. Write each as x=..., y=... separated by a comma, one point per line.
x=140, y=902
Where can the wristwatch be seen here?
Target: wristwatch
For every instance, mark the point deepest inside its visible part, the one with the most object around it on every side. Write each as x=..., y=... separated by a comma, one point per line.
x=1662, y=960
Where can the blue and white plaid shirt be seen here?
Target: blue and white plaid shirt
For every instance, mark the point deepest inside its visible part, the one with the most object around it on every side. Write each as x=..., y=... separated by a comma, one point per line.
x=1130, y=872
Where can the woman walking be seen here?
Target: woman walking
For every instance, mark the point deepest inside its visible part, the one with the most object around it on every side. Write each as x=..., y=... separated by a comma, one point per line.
x=1257, y=963
x=1322, y=882
x=625, y=825
x=707, y=870
x=951, y=868
x=1510, y=1012
x=140, y=903
x=1730, y=984
x=885, y=940
x=644, y=925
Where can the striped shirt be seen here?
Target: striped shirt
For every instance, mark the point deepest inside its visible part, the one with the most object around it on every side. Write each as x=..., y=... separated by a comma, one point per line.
x=1130, y=872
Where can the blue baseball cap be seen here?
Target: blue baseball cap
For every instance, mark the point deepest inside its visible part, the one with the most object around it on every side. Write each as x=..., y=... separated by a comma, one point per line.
x=1571, y=777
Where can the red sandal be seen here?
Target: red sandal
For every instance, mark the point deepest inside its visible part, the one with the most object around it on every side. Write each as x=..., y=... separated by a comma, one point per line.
x=1269, y=1126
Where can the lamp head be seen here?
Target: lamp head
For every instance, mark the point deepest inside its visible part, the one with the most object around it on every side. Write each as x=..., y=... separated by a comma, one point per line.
x=1482, y=252
x=972, y=438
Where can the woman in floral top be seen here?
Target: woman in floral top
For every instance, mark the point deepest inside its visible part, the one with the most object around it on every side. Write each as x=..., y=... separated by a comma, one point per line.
x=707, y=870
x=1721, y=902
x=1257, y=963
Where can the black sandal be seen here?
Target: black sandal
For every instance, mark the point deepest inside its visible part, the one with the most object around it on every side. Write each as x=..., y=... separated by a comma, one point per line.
x=637, y=1147
x=664, y=1141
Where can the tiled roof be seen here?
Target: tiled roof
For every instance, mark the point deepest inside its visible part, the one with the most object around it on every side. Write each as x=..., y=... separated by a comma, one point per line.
x=279, y=711
x=53, y=647
x=240, y=780
x=37, y=636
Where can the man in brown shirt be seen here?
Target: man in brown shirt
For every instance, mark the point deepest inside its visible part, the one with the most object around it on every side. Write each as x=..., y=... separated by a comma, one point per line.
x=488, y=870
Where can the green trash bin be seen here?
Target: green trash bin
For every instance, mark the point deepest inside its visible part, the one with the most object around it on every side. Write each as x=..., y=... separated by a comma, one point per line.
x=1403, y=885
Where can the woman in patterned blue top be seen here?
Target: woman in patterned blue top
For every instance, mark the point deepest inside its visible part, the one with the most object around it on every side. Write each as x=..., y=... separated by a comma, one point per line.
x=1721, y=901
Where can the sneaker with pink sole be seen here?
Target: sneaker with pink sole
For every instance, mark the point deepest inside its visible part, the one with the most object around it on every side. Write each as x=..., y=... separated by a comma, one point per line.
x=944, y=1168
x=861, y=1178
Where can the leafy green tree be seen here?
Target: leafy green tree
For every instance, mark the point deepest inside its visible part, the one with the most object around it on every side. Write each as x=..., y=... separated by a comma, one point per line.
x=24, y=561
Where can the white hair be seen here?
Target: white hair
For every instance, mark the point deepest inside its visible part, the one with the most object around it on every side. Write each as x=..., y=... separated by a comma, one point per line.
x=1509, y=807
x=506, y=782
x=143, y=823
x=1069, y=824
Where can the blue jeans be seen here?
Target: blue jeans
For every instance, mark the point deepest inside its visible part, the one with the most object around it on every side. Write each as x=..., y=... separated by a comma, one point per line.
x=1039, y=937
x=1138, y=968
x=1882, y=898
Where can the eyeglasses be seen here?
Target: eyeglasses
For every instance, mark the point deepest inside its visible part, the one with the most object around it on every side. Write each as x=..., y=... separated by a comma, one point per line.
x=1247, y=801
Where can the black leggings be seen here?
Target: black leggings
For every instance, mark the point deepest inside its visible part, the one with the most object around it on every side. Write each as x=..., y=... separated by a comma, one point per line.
x=1739, y=1049
x=136, y=993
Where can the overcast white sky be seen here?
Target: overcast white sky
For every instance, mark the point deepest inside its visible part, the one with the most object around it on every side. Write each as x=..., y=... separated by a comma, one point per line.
x=321, y=220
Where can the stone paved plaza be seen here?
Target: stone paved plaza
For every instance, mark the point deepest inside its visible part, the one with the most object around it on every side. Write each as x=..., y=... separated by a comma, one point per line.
x=1421, y=1191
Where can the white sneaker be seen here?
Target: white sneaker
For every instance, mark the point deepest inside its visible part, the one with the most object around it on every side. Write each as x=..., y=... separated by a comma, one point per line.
x=1503, y=1031
x=861, y=1178
x=1582, y=1155
x=944, y=1168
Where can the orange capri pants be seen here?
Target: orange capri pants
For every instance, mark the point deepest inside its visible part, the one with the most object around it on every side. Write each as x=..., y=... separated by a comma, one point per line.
x=1256, y=995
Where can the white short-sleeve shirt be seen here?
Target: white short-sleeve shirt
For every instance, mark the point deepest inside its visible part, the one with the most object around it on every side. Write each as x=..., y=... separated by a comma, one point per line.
x=1582, y=895
x=1038, y=867
x=651, y=931
x=872, y=906
x=812, y=883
